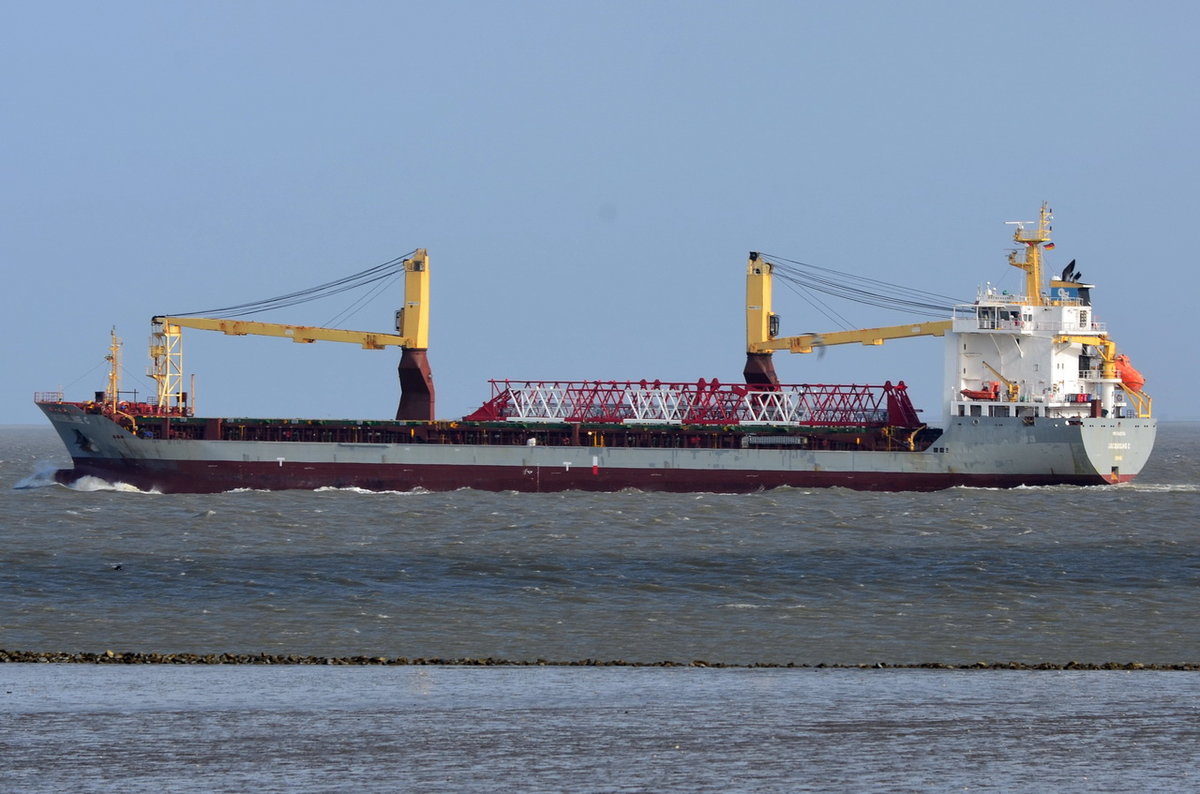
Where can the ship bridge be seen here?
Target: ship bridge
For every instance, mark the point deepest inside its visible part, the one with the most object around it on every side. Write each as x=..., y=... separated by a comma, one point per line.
x=998, y=311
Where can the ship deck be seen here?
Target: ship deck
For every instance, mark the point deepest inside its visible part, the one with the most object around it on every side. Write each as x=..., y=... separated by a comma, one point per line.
x=558, y=434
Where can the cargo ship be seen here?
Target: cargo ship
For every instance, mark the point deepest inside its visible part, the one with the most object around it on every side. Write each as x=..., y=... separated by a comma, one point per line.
x=1035, y=394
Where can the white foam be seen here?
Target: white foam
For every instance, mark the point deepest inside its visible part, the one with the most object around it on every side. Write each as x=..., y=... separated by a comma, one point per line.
x=355, y=489
x=88, y=483
x=42, y=476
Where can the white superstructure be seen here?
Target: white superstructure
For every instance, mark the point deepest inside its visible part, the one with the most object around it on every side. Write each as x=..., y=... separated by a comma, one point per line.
x=1042, y=354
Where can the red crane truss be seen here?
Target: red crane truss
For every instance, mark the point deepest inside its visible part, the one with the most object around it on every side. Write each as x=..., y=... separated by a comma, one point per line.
x=699, y=403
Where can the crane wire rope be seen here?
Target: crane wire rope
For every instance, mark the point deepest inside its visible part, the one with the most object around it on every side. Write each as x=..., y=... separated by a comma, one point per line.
x=839, y=284
x=821, y=306
x=376, y=275
x=354, y=308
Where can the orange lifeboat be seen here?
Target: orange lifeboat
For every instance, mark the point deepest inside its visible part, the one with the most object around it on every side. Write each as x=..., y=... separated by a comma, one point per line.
x=992, y=392
x=1130, y=378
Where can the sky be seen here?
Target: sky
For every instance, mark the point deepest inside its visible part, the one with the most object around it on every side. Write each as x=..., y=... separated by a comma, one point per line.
x=588, y=178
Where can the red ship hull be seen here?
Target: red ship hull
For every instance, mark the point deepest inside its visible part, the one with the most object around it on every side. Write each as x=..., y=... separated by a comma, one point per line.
x=205, y=477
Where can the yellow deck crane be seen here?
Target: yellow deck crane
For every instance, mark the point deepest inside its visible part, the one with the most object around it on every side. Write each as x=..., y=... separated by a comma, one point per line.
x=412, y=336
x=1011, y=387
x=762, y=327
x=1111, y=369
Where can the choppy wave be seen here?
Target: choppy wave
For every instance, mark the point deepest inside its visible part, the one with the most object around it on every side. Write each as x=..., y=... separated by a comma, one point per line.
x=88, y=483
x=1049, y=574
x=357, y=490
x=1161, y=487
x=42, y=476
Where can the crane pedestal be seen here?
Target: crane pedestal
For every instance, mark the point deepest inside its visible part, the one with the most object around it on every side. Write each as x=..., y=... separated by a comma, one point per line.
x=760, y=370
x=416, y=387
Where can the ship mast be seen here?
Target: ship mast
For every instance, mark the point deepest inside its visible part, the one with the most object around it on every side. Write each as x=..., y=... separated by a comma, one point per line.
x=113, y=389
x=1031, y=263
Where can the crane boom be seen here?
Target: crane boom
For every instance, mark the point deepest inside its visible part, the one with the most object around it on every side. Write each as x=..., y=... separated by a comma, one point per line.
x=412, y=326
x=762, y=325
x=370, y=340
x=806, y=343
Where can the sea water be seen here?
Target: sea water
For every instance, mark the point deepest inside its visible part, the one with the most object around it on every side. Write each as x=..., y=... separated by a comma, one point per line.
x=1037, y=575
x=240, y=728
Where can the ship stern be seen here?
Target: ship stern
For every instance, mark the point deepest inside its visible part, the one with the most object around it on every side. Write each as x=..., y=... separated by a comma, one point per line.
x=1118, y=448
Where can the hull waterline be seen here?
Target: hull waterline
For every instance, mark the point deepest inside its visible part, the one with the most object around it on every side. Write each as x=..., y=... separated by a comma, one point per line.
x=992, y=453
